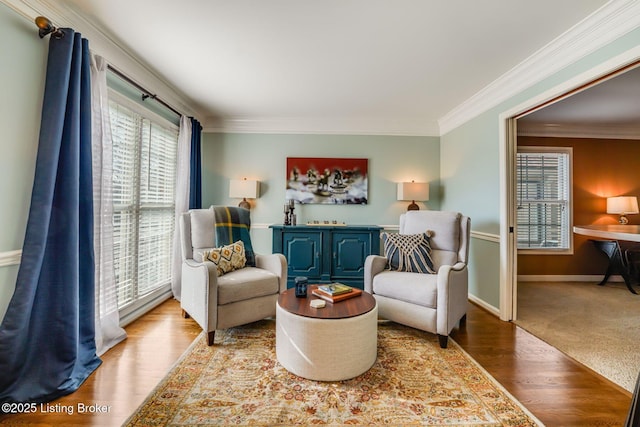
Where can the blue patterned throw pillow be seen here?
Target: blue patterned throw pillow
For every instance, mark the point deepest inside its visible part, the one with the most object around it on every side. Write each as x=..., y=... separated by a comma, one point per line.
x=409, y=252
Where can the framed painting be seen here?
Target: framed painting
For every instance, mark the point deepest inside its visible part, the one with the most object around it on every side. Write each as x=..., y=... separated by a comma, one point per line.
x=330, y=181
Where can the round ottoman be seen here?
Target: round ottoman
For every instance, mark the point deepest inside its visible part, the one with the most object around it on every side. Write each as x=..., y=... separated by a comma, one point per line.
x=324, y=349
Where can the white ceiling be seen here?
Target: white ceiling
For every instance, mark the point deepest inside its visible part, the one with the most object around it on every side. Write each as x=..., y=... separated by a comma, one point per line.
x=610, y=108
x=332, y=64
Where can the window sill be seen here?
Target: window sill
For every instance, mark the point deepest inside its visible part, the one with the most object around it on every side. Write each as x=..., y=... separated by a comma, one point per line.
x=548, y=251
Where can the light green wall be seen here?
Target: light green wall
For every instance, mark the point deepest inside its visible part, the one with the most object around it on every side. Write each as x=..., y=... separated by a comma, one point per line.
x=470, y=168
x=470, y=177
x=461, y=166
x=263, y=157
x=21, y=85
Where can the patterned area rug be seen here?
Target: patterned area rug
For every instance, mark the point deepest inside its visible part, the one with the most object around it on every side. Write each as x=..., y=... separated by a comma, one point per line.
x=238, y=381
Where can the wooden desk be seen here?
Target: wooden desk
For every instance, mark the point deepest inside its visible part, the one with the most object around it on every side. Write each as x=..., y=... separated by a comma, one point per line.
x=630, y=233
x=620, y=243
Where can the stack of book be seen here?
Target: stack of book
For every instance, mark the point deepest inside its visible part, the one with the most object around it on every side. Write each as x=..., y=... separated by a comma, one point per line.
x=336, y=292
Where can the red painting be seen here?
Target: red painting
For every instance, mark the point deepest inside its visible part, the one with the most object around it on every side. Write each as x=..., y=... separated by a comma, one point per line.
x=323, y=180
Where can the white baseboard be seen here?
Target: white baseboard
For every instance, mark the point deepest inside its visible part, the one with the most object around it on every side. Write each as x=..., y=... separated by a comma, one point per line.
x=567, y=278
x=482, y=303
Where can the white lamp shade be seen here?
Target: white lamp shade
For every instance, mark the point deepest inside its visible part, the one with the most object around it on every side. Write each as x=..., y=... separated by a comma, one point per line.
x=413, y=191
x=244, y=188
x=622, y=205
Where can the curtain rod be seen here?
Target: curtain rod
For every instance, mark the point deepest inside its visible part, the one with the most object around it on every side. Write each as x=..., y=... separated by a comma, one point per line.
x=46, y=27
x=145, y=93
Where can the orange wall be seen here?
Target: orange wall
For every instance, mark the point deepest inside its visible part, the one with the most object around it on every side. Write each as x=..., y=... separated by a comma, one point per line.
x=601, y=168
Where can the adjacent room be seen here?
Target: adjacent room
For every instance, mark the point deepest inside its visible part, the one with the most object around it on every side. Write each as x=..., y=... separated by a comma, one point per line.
x=302, y=212
x=558, y=299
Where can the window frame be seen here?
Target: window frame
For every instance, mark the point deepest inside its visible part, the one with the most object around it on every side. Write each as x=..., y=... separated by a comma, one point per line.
x=569, y=250
x=152, y=298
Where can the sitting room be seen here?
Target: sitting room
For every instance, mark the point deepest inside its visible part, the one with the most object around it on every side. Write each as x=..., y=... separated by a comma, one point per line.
x=290, y=212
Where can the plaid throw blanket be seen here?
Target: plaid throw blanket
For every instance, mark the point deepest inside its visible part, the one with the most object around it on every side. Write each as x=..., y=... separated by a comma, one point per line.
x=233, y=224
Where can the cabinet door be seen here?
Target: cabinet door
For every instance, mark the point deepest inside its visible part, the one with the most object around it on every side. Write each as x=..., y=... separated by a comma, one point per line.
x=349, y=253
x=303, y=253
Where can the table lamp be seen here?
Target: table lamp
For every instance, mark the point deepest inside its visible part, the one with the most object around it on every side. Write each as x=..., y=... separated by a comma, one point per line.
x=413, y=191
x=244, y=189
x=622, y=205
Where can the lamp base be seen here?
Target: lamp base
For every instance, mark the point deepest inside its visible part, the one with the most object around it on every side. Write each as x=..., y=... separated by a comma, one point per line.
x=413, y=206
x=623, y=220
x=244, y=204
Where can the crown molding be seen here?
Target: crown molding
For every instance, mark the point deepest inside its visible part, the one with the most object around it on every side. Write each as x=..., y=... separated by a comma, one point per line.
x=592, y=131
x=332, y=126
x=103, y=44
x=21, y=8
x=611, y=21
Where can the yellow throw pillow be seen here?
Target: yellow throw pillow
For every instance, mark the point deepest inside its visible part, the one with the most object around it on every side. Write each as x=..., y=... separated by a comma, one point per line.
x=227, y=258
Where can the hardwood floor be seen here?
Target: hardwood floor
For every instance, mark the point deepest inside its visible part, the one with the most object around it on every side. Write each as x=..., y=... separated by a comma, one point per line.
x=557, y=390
x=129, y=371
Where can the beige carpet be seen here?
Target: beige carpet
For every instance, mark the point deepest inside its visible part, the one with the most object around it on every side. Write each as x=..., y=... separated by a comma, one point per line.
x=238, y=381
x=599, y=326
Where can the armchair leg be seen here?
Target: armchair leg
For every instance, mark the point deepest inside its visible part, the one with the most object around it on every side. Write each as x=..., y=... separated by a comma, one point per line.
x=210, y=336
x=185, y=314
x=463, y=320
x=444, y=340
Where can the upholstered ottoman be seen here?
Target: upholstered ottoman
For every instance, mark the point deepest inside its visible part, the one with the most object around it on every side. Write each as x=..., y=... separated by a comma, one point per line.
x=333, y=343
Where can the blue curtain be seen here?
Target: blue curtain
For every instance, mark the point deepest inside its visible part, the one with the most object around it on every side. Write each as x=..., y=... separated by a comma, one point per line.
x=47, y=346
x=195, y=185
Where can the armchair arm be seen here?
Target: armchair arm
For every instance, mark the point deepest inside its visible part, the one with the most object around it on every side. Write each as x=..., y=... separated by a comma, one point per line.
x=275, y=263
x=373, y=265
x=453, y=294
x=200, y=292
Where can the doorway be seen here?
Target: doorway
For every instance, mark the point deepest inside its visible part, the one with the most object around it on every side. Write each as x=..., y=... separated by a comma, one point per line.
x=509, y=122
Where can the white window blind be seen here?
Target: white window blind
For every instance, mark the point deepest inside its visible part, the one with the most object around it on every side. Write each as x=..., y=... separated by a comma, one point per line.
x=144, y=174
x=544, y=198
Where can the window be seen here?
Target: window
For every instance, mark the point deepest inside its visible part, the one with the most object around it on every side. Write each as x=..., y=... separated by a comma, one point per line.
x=544, y=199
x=144, y=175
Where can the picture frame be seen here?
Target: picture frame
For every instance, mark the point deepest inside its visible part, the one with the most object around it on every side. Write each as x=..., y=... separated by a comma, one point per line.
x=327, y=180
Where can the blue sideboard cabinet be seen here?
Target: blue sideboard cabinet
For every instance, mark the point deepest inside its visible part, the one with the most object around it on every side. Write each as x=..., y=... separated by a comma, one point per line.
x=326, y=254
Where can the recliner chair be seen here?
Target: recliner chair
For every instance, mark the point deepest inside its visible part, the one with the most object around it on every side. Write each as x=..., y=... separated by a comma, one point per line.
x=430, y=302
x=238, y=297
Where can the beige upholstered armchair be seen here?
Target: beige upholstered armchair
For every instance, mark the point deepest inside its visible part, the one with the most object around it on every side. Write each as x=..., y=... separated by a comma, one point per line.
x=237, y=297
x=430, y=302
